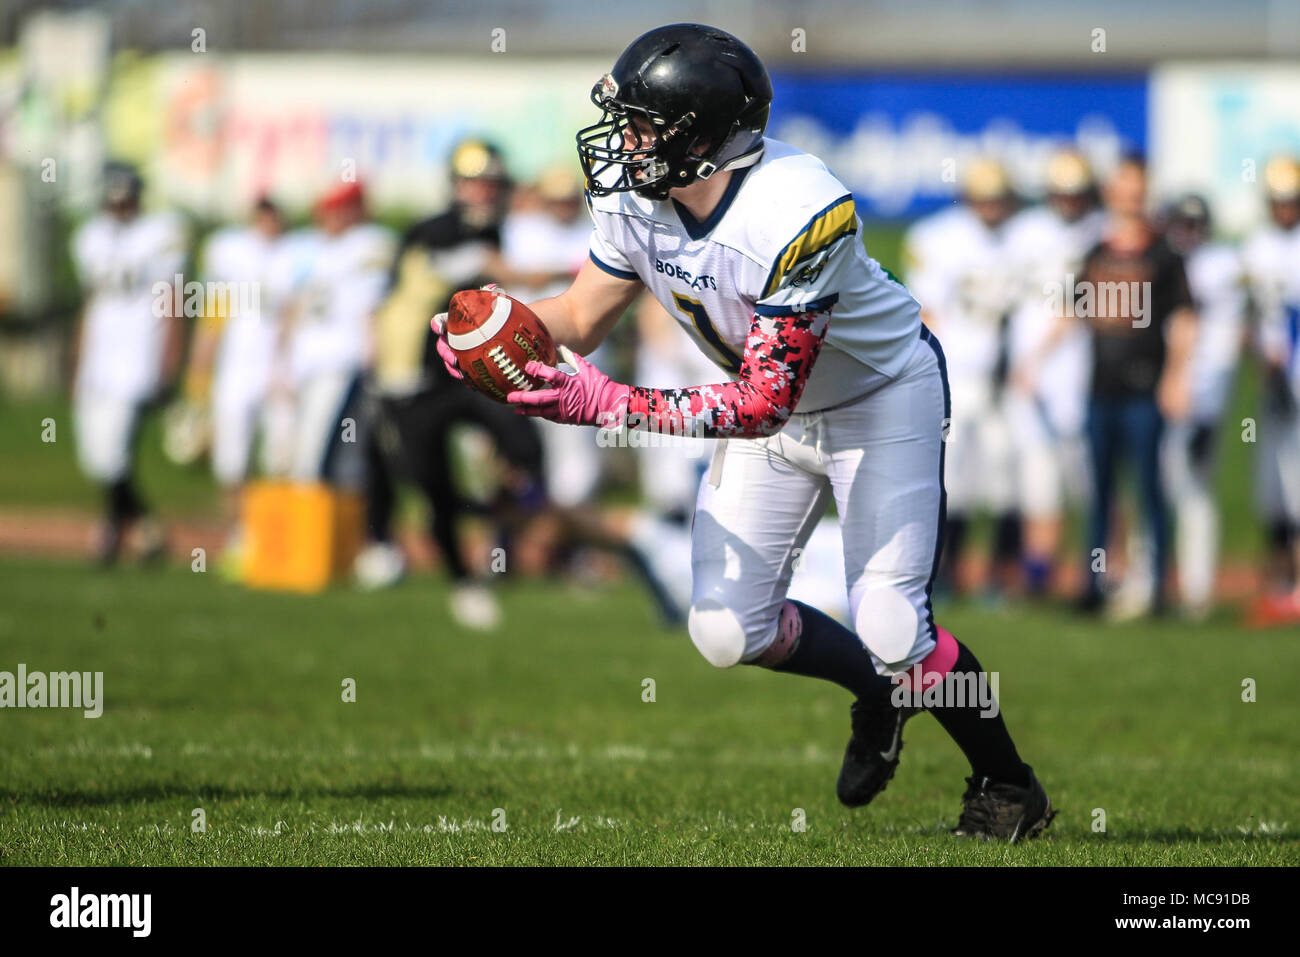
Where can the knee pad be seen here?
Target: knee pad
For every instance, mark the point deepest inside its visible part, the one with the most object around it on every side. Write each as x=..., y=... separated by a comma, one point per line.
x=717, y=632
x=887, y=623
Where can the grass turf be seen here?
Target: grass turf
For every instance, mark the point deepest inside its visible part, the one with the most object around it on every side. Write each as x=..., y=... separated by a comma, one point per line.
x=230, y=701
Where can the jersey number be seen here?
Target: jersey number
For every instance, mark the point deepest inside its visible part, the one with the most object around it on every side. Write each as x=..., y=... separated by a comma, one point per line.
x=695, y=310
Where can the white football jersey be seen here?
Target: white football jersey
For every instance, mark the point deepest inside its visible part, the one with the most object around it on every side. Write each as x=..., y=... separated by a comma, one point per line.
x=242, y=256
x=335, y=284
x=1272, y=261
x=1218, y=284
x=785, y=238
x=119, y=264
x=960, y=271
x=1047, y=251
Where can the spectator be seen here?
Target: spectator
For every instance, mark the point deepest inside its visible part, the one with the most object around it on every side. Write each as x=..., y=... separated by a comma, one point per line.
x=1133, y=296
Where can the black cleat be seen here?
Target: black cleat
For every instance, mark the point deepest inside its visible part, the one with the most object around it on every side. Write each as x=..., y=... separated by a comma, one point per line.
x=1005, y=812
x=872, y=755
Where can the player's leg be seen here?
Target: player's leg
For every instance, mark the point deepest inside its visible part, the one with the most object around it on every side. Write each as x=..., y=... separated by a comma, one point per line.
x=1188, y=460
x=1103, y=440
x=424, y=423
x=963, y=464
x=321, y=436
x=105, y=429
x=381, y=563
x=1000, y=489
x=1144, y=428
x=1039, y=483
x=234, y=425
x=887, y=475
x=757, y=505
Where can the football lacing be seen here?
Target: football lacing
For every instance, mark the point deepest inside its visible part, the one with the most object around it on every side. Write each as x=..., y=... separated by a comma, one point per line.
x=513, y=374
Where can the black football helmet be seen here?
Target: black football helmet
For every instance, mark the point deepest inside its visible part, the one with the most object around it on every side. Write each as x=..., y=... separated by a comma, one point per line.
x=681, y=103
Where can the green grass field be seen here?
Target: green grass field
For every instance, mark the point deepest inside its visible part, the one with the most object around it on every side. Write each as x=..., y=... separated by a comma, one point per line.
x=230, y=701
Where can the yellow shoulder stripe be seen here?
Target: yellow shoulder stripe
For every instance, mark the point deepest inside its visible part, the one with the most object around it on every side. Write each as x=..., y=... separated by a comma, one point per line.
x=828, y=226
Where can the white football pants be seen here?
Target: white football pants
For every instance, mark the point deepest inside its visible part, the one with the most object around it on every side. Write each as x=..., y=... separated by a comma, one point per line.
x=880, y=458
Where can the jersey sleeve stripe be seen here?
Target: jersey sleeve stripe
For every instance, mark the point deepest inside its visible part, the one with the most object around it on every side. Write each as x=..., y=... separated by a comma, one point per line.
x=837, y=220
x=817, y=305
x=619, y=273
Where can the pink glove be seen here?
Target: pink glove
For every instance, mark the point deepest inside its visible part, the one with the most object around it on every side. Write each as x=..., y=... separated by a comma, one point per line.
x=439, y=326
x=589, y=397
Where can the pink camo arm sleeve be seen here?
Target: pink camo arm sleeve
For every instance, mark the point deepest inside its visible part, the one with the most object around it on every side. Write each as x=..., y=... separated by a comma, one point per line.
x=779, y=356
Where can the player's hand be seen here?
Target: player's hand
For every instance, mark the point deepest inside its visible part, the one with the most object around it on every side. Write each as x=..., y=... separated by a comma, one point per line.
x=439, y=326
x=587, y=397
x=1174, y=397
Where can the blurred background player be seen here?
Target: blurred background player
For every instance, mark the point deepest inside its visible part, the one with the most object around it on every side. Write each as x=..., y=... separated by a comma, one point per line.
x=1143, y=332
x=1047, y=406
x=416, y=405
x=1217, y=282
x=129, y=347
x=1272, y=256
x=337, y=279
x=960, y=269
x=233, y=352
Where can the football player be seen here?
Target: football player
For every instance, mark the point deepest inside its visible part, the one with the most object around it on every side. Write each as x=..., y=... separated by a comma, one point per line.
x=1047, y=244
x=325, y=331
x=234, y=346
x=417, y=407
x=1214, y=272
x=128, y=348
x=960, y=270
x=832, y=389
x=1272, y=258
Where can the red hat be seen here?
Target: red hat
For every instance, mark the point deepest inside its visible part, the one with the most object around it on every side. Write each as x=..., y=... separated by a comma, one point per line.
x=340, y=196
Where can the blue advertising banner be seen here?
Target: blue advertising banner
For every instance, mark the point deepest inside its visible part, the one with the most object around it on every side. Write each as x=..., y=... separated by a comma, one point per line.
x=899, y=140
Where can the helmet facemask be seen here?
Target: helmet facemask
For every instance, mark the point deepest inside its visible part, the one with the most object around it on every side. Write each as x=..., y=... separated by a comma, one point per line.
x=648, y=164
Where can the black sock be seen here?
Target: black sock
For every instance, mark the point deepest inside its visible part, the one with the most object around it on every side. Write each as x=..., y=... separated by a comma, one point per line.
x=123, y=505
x=983, y=739
x=954, y=543
x=826, y=649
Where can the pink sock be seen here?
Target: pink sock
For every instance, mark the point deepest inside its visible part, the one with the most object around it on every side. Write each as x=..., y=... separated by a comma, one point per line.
x=931, y=669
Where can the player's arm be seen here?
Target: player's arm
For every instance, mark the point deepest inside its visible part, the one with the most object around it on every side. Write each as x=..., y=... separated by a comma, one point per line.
x=779, y=355
x=1173, y=392
x=583, y=315
x=780, y=351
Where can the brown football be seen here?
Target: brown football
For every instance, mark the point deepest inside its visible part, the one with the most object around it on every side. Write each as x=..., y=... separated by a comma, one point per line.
x=494, y=337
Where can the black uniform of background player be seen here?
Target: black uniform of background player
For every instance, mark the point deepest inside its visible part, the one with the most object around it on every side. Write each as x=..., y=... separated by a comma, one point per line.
x=415, y=403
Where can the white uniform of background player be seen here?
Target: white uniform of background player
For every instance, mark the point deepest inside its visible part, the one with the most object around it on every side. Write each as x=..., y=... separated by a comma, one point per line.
x=329, y=343
x=960, y=271
x=866, y=431
x=537, y=241
x=123, y=336
x=1272, y=259
x=1048, y=421
x=1048, y=405
x=1217, y=280
x=241, y=256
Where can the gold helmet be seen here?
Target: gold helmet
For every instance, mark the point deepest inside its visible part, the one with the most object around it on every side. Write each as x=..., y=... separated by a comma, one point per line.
x=1068, y=174
x=475, y=158
x=1282, y=179
x=985, y=181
